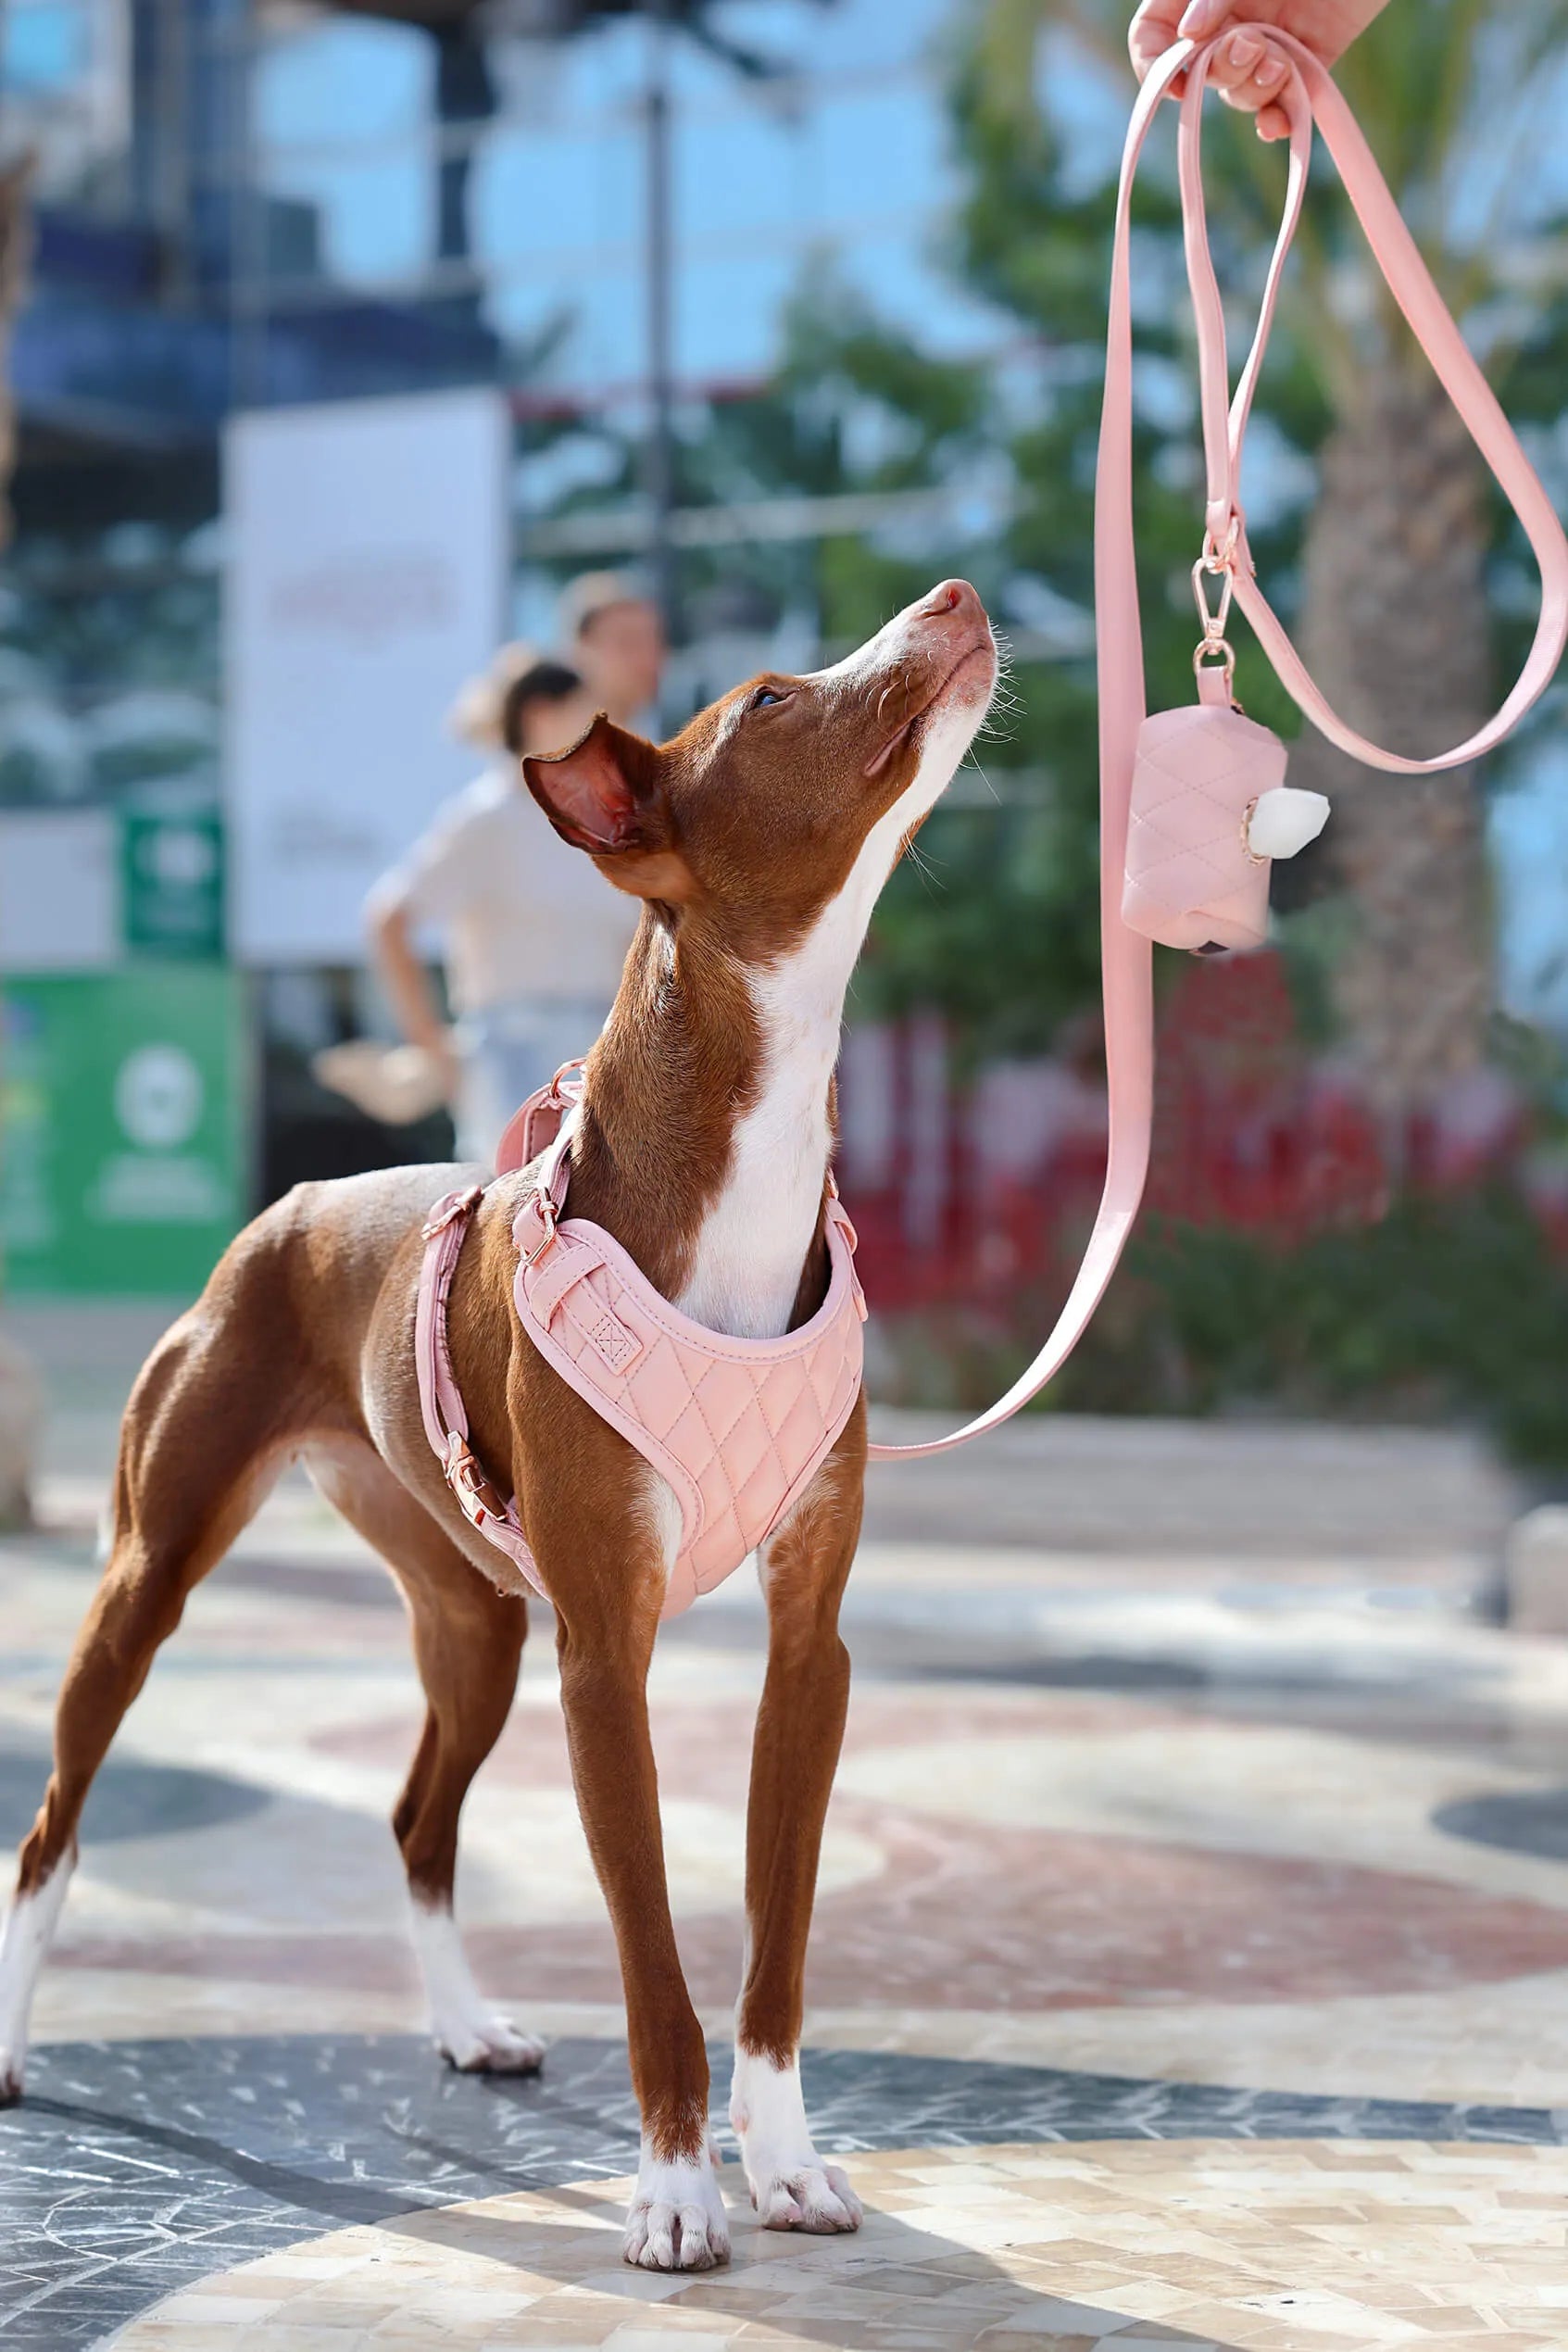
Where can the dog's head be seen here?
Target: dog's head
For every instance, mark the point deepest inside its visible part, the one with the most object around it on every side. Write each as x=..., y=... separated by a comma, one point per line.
x=763, y=811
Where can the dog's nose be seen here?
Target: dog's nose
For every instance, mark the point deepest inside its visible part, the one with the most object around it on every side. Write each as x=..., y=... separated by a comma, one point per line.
x=951, y=599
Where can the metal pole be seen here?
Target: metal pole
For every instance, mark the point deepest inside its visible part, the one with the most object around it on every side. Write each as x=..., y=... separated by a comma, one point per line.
x=246, y=217
x=659, y=452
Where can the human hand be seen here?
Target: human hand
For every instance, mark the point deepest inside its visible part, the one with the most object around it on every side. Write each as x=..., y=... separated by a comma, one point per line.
x=1243, y=70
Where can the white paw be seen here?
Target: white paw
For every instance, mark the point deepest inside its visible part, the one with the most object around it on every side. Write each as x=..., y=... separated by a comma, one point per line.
x=490, y=2044
x=25, y=1937
x=816, y=2197
x=472, y=2035
x=676, y=2220
x=791, y=2187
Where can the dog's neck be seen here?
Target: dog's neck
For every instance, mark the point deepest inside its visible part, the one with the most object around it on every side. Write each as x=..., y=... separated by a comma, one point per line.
x=709, y=1120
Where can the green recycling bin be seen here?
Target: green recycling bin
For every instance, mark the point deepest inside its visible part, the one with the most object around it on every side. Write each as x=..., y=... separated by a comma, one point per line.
x=123, y=1141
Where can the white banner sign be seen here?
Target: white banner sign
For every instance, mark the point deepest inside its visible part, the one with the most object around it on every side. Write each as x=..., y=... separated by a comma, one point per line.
x=60, y=889
x=368, y=560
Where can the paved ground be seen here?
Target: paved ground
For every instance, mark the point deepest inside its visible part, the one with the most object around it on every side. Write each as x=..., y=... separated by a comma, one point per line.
x=1191, y=1961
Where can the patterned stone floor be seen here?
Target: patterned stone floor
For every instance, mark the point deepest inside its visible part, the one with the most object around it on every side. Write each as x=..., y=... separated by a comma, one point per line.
x=1191, y=1961
x=1207, y=2244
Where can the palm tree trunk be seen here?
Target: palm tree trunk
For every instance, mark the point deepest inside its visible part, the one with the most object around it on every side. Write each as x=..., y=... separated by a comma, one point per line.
x=1394, y=630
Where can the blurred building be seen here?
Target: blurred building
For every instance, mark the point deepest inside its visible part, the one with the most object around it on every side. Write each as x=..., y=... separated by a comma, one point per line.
x=243, y=208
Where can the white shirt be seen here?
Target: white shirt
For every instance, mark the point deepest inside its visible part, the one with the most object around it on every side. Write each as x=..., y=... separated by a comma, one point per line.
x=525, y=916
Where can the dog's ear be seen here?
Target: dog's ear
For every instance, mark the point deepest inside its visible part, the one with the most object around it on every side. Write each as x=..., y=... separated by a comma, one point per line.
x=606, y=794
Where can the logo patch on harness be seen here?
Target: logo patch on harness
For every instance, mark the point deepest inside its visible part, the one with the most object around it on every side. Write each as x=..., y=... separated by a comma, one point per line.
x=610, y=1340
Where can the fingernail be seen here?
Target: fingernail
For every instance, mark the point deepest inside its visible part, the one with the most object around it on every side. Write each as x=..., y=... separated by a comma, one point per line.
x=1245, y=50
x=1200, y=18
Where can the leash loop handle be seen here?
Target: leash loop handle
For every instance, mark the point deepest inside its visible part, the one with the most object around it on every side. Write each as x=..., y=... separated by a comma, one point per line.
x=1311, y=95
x=1126, y=956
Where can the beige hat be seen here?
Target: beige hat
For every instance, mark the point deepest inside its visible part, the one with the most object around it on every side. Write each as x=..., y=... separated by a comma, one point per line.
x=475, y=715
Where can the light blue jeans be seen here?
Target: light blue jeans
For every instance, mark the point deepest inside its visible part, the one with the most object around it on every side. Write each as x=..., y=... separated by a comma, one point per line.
x=509, y=1050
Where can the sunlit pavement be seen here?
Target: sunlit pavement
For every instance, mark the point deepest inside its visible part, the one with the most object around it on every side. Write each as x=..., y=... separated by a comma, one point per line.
x=1190, y=1965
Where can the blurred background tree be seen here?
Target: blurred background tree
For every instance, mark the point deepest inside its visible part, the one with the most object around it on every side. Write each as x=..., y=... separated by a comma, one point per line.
x=1405, y=581
x=1404, y=553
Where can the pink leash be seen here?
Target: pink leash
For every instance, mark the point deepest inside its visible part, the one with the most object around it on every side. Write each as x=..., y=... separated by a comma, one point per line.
x=1127, y=955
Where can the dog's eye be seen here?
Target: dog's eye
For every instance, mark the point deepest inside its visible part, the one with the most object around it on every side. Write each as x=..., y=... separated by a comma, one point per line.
x=766, y=696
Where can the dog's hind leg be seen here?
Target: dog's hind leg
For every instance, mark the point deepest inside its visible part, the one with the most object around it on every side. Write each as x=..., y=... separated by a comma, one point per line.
x=800, y=1728
x=467, y=1645
x=202, y=1437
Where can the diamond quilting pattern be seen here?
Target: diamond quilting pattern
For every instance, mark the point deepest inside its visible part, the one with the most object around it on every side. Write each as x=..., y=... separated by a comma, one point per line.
x=736, y=1426
x=1188, y=874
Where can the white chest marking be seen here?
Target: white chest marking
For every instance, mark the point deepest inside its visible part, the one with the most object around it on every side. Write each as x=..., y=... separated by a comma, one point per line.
x=751, y=1250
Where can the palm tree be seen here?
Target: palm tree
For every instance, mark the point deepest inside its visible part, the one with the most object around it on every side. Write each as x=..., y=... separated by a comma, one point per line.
x=1462, y=103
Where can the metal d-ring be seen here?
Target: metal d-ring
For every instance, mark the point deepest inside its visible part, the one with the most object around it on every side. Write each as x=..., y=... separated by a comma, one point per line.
x=1221, y=649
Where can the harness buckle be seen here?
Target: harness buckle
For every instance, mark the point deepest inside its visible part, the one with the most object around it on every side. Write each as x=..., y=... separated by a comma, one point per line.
x=476, y=1498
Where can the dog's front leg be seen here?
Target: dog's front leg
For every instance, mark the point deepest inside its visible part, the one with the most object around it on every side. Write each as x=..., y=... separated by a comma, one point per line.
x=799, y=1726
x=607, y=1607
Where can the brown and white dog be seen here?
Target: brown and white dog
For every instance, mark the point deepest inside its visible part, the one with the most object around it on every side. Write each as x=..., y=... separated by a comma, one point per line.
x=759, y=840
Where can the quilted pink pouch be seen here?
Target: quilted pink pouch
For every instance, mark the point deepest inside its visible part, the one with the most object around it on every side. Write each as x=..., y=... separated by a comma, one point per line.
x=1192, y=880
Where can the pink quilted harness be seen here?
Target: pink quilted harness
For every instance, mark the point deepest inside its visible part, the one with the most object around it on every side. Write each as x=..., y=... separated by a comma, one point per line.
x=736, y=1425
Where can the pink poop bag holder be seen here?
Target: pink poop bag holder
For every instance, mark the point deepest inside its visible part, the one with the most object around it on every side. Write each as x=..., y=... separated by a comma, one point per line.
x=1193, y=801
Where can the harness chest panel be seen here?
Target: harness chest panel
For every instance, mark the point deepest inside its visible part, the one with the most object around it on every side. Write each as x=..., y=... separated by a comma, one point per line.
x=737, y=1427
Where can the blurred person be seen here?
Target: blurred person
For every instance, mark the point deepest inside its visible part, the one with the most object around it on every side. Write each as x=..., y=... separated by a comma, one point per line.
x=613, y=634
x=534, y=941
x=1244, y=72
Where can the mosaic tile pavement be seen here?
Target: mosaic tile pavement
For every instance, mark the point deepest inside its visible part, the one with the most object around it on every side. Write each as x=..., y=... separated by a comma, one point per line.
x=135, y=2167
x=1218, y=2247
x=1191, y=1957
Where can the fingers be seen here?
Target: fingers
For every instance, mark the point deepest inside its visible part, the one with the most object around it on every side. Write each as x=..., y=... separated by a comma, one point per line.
x=1151, y=32
x=1203, y=19
x=1246, y=72
x=1246, y=69
x=1253, y=86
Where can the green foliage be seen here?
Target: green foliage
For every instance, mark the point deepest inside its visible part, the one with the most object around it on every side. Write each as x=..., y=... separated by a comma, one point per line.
x=1450, y=1304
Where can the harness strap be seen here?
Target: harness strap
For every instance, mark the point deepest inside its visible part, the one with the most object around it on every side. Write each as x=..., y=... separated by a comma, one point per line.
x=1127, y=958
x=441, y=1402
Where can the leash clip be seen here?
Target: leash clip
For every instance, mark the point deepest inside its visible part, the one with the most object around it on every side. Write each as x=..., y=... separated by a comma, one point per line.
x=1214, y=623
x=1213, y=644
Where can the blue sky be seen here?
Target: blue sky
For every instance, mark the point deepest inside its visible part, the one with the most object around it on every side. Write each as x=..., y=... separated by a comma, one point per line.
x=859, y=167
